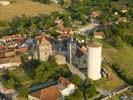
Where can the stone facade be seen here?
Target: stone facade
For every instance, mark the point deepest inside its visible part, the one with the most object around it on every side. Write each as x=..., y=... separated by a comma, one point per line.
x=42, y=50
x=60, y=59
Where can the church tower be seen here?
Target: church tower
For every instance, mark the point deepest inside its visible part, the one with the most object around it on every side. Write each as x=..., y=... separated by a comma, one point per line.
x=71, y=49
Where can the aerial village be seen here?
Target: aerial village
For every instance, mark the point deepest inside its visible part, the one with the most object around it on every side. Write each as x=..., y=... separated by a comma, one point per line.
x=79, y=53
x=83, y=58
x=69, y=65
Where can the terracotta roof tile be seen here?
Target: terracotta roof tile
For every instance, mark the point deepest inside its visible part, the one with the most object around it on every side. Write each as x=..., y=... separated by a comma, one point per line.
x=50, y=93
x=65, y=82
x=22, y=50
x=14, y=59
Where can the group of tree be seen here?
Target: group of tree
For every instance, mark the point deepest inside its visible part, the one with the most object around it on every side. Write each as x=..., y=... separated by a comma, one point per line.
x=10, y=81
x=31, y=25
x=87, y=87
x=123, y=74
x=116, y=34
x=49, y=70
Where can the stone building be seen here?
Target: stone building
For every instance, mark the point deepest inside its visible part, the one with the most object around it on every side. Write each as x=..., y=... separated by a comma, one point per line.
x=43, y=49
x=60, y=59
x=87, y=58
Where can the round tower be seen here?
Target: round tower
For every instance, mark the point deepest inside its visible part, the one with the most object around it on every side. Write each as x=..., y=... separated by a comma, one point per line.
x=94, y=61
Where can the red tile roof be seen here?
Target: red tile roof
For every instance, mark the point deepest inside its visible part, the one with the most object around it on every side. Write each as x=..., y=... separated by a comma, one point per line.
x=10, y=53
x=99, y=33
x=65, y=82
x=50, y=93
x=14, y=59
x=21, y=50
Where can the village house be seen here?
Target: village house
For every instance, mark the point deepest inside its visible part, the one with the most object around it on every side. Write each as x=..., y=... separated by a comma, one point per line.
x=10, y=53
x=66, y=87
x=99, y=35
x=21, y=50
x=49, y=93
x=60, y=27
x=10, y=62
x=7, y=53
x=56, y=92
x=11, y=38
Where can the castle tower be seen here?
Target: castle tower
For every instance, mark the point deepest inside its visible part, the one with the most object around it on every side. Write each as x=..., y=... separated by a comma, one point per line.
x=71, y=49
x=45, y=49
x=94, y=61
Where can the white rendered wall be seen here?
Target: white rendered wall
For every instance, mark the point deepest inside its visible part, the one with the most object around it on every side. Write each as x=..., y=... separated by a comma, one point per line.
x=94, y=62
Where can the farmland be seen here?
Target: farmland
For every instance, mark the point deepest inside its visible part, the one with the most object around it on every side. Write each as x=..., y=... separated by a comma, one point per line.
x=28, y=8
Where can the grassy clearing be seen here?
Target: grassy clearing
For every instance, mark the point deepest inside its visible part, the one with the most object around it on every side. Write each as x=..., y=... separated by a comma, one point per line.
x=109, y=84
x=123, y=57
x=28, y=8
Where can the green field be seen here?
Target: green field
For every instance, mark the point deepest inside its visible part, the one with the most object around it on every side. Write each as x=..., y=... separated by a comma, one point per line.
x=27, y=7
x=123, y=57
x=109, y=84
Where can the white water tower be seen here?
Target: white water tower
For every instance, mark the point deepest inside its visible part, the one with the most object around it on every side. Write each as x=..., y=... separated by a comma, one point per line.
x=94, y=61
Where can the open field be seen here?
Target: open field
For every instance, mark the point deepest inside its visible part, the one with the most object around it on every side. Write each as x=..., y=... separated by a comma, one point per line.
x=109, y=84
x=122, y=57
x=28, y=8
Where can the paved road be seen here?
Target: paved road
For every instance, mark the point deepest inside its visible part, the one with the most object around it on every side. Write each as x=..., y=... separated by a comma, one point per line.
x=87, y=29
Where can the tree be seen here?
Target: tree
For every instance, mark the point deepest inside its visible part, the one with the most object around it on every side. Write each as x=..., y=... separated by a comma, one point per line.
x=24, y=91
x=9, y=79
x=49, y=70
x=24, y=58
x=117, y=42
x=61, y=2
x=42, y=72
x=77, y=95
x=75, y=79
x=88, y=88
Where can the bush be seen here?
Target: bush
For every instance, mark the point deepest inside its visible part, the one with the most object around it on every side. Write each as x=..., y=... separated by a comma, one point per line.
x=88, y=88
x=24, y=91
x=75, y=79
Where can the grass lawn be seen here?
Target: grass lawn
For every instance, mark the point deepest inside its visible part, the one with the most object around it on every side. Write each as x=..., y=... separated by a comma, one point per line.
x=123, y=57
x=109, y=84
x=27, y=7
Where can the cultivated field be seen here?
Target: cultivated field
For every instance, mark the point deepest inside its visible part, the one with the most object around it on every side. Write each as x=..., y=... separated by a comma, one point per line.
x=26, y=7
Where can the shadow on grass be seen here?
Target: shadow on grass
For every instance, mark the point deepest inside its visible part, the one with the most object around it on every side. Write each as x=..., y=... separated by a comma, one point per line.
x=29, y=68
